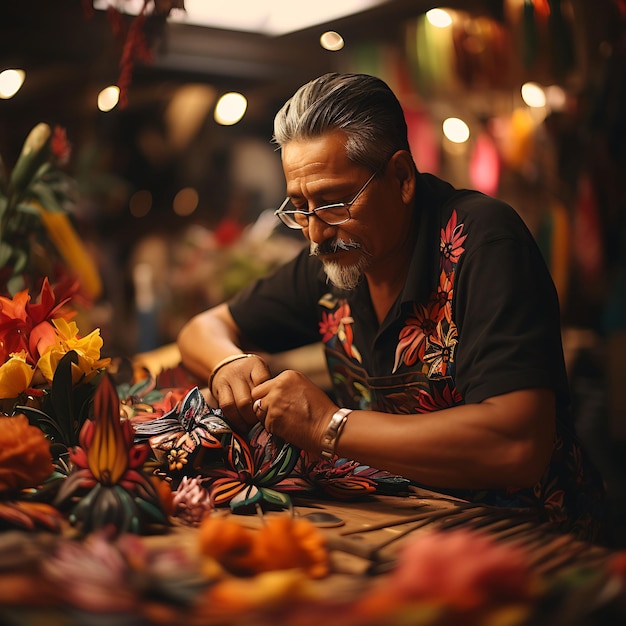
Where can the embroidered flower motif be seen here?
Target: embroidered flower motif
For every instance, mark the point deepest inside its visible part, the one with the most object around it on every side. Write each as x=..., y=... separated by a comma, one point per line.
x=451, y=245
x=338, y=324
x=420, y=327
x=440, y=351
x=441, y=398
x=423, y=333
x=443, y=296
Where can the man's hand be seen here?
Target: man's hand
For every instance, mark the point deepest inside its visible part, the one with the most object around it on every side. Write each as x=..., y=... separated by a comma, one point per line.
x=232, y=387
x=293, y=408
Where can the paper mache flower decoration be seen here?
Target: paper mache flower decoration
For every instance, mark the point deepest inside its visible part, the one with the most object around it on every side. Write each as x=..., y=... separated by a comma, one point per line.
x=194, y=439
x=107, y=486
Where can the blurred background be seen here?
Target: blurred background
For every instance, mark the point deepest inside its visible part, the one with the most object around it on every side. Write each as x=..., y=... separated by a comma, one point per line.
x=522, y=99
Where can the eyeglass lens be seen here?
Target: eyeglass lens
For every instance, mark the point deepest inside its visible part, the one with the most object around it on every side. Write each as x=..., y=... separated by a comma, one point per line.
x=331, y=215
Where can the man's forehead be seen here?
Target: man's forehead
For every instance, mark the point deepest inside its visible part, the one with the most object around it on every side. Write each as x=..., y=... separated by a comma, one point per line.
x=309, y=156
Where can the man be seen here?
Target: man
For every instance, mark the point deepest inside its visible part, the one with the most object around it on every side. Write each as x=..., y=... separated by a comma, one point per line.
x=439, y=319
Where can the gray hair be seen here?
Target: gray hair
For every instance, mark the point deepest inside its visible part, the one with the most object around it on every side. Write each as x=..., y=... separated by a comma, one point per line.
x=362, y=106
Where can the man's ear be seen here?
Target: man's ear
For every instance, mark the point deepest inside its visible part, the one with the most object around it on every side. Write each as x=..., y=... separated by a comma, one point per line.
x=403, y=169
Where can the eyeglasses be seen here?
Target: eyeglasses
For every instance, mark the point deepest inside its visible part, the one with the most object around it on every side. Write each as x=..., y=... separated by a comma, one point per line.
x=331, y=214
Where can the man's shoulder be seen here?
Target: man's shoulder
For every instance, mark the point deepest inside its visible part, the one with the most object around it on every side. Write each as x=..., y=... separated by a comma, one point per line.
x=490, y=217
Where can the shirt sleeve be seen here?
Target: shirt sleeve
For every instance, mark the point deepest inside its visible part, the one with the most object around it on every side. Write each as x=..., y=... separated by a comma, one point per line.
x=279, y=312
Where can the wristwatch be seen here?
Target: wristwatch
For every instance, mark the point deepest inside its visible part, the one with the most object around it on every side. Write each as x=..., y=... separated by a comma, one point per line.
x=335, y=426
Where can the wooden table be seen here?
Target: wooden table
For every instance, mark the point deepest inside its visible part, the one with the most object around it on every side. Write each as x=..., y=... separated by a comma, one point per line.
x=365, y=545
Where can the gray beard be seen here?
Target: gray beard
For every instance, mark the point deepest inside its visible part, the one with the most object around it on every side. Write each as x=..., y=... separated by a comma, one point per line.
x=342, y=276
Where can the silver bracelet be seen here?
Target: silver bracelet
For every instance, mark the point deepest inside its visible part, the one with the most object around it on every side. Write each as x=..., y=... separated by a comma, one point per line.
x=226, y=361
x=335, y=426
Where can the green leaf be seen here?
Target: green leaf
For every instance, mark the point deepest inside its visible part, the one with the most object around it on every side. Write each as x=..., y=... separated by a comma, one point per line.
x=61, y=397
x=45, y=196
x=21, y=260
x=276, y=498
x=15, y=284
x=6, y=252
x=246, y=498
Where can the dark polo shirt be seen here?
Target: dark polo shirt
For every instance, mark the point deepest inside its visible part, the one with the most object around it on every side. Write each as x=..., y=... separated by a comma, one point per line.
x=478, y=317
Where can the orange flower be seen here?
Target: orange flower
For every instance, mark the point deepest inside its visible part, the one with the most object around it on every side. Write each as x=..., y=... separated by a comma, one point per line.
x=25, y=459
x=282, y=543
x=25, y=325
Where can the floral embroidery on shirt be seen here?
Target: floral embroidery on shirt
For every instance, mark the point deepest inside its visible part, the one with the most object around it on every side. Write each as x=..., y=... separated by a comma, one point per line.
x=445, y=291
x=429, y=333
x=413, y=339
x=440, y=351
x=451, y=245
x=337, y=325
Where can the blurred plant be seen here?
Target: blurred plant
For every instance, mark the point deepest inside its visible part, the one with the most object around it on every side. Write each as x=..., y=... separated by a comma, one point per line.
x=116, y=579
x=37, y=238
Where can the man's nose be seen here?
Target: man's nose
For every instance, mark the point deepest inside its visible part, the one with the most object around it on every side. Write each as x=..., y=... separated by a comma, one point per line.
x=318, y=231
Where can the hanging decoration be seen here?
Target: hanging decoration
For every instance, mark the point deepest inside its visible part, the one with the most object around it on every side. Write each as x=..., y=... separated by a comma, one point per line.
x=137, y=38
x=482, y=53
x=430, y=55
x=484, y=166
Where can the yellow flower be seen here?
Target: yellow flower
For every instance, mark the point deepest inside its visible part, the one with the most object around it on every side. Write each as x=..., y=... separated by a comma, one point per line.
x=15, y=375
x=87, y=348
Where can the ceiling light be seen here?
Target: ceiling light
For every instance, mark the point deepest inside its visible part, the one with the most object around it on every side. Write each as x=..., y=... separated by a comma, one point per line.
x=230, y=108
x=270, y=17
x=10, y=82
x=439, y=18
x=456, y=130
x=331, y=40
x=108, y=98
x=533, y=95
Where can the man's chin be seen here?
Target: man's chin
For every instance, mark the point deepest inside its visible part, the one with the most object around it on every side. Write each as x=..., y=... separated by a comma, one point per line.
x=342, y=276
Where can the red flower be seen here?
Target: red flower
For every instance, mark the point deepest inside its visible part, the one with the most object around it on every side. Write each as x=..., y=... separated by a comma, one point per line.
x=60, y=146
x=420, y=327
x=27, y=326
x=440, y=399
x=339, y=324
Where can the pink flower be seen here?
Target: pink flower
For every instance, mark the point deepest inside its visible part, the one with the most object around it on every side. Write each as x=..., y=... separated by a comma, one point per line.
x=462, y=569
x=451, y=245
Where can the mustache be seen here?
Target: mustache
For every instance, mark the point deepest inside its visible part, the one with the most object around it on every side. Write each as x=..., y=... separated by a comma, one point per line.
x=330, y=246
